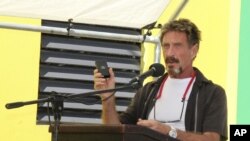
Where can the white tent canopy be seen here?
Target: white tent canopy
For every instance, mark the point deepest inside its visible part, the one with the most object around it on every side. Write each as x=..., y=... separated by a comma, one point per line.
x=120, y=13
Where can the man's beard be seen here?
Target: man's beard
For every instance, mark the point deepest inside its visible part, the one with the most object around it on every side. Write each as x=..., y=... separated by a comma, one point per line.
x=172, y=71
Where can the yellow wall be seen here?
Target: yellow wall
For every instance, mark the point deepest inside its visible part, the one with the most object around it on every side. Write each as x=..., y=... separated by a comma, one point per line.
x=19, y=69
x=19, y=56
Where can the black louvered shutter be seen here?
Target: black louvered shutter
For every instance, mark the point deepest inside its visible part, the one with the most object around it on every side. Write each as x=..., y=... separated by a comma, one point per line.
x=67, y=64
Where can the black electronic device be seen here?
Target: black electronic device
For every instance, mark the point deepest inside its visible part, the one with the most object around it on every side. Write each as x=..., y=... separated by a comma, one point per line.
x=102, y=67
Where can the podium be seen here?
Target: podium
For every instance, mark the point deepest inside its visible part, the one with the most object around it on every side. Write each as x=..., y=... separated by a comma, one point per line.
x=100, y=132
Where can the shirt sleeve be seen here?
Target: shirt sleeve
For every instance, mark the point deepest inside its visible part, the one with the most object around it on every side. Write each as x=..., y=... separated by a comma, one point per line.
x=215, y=118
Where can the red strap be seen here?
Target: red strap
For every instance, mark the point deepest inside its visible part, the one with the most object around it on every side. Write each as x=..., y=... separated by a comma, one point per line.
x=185, y=93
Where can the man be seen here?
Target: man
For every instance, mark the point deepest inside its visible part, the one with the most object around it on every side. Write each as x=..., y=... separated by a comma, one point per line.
x=182, y=103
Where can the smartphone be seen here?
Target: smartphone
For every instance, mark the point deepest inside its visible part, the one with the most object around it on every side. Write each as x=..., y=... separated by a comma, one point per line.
x=102, y=67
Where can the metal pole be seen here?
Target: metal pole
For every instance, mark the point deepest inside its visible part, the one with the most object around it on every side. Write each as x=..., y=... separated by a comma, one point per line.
x=81, y=33
x=178, y=10
x=157, y=53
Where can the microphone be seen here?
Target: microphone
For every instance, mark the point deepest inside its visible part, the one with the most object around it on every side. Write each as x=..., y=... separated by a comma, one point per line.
x=155, y=70
x=14, y=105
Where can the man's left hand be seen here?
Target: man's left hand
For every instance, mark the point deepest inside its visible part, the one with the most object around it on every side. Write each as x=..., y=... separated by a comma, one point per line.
x=155, y=125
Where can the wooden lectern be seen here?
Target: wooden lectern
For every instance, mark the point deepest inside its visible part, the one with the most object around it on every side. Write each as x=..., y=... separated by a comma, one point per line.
x=100, y=132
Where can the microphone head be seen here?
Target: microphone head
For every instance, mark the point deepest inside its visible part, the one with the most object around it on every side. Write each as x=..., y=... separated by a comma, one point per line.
x=158, y=68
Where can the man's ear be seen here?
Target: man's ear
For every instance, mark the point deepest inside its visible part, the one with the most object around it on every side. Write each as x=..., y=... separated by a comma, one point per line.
x=194, y=50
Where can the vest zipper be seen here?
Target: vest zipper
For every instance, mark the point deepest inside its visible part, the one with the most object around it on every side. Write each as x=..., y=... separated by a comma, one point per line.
x=196, y=112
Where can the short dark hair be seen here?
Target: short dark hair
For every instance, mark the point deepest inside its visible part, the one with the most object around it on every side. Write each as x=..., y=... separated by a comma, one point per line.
x=183, y=25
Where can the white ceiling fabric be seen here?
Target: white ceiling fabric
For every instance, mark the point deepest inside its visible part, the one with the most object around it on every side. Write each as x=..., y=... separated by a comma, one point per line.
x=120, y=13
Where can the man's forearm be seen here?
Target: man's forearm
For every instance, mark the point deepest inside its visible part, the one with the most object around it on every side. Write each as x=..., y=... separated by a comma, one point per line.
x=109, y=113
x=188, y=136
x=181, y=135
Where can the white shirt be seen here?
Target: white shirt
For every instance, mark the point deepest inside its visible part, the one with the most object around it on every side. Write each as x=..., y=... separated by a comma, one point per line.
x=169, y=106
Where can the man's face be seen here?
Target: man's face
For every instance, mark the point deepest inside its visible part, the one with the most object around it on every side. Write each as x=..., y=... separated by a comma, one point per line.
x=178, y=54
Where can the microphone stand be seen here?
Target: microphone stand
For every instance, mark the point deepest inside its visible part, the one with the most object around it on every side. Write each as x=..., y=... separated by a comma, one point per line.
x=57, y=102
x=57, y=108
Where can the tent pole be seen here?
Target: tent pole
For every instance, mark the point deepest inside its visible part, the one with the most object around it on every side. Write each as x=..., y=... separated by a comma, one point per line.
x=81, y=33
